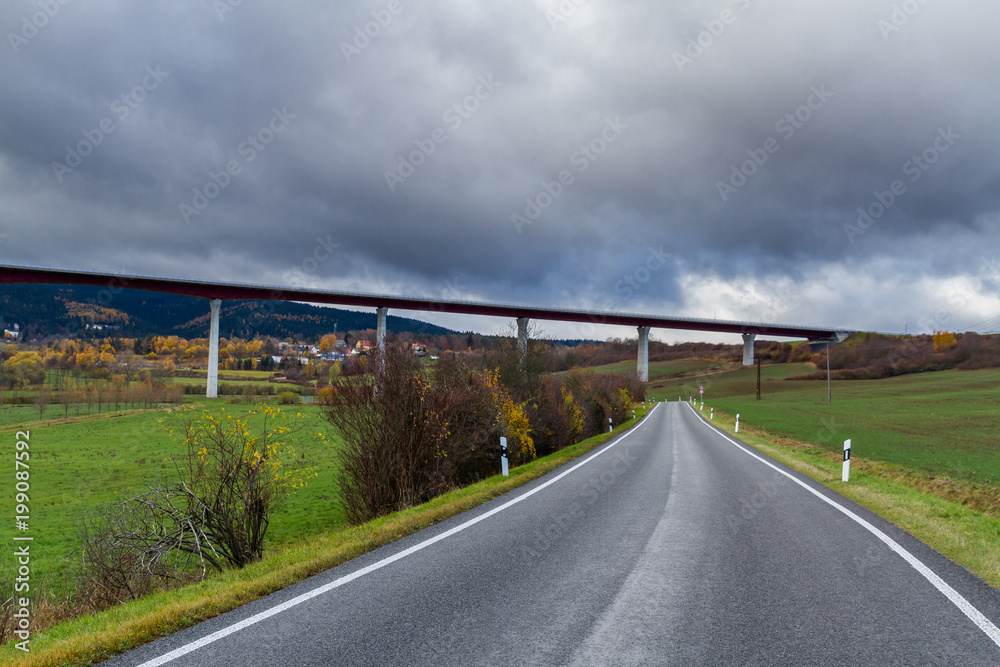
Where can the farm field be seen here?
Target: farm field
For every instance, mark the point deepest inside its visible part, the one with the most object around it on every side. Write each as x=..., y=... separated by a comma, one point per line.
x=254, y=378
x=103, y=459
x=53, y=412
x=657, y=369
x=943, y=423
x=233, y=375
x=229, y=377
x=23, y=416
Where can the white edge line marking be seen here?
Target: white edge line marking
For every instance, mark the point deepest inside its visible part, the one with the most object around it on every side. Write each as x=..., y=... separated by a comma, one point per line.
x=277, y=609
x=956, y=598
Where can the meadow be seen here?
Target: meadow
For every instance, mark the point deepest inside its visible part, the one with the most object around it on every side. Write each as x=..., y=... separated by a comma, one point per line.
x=943, y=423
x=87, y=461
x=657, y=369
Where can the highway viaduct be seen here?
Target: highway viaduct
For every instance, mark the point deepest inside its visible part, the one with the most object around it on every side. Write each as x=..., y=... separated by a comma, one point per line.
x=216, y=292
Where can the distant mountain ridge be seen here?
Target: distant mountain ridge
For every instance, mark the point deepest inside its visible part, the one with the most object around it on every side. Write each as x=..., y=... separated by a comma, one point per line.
x=43, y=310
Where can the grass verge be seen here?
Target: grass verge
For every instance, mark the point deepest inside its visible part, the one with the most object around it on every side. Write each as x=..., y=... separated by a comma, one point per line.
x=934, y=510
x=96, y=637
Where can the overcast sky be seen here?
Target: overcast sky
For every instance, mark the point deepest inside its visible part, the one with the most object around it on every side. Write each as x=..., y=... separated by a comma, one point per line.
x=704, y=159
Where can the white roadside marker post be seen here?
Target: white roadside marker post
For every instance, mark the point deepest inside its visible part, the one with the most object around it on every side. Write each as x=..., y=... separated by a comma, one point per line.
x=503, y=457
x=847, y=461
x=610, y=429
x=737, y=422
x=711, y=413
x=633, y=414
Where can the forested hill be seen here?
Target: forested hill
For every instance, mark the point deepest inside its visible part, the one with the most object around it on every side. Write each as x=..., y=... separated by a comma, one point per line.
x=51, y=309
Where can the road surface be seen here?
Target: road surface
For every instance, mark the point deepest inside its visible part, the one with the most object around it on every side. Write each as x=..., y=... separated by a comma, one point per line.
x=671, y=545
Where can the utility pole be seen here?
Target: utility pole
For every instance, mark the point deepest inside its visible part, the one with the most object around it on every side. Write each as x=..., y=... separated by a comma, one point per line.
x=758, y=377
x=829, y=391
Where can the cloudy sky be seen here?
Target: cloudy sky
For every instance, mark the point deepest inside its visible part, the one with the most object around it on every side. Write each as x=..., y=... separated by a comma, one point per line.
x=809, y=163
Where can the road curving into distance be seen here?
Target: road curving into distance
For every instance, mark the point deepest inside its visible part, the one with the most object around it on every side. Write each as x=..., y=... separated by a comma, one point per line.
x=673, y=544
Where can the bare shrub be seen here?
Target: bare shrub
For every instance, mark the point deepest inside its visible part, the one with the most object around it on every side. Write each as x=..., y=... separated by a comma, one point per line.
x=236, y=478
x=556, y=418
x=127, y=548
x=478, y=410
x=391, y=436
x=409, y=435
x=519, y=371
x=233, y=477
x=635, y=387
x=600, y=397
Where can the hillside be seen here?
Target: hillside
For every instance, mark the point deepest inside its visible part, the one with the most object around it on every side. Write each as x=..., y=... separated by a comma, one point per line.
x=43, y=310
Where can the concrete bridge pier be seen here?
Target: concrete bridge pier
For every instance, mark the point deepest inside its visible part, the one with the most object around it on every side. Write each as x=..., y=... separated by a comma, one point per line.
x=212, y=390
x=522, y=338
x=643, y=361
x=748, y=339
x=380, y=329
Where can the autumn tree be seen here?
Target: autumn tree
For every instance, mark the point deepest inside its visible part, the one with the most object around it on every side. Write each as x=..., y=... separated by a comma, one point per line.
x=41, y=401
x=195, y=352
x=86, y=359
x=23, y=368
x=943, y=340
x=66, y=394
x=117, y=386
x=129, y=365
x=327, y=343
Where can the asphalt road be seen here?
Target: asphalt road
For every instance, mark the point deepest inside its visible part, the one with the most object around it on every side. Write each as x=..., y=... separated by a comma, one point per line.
x=671, y=545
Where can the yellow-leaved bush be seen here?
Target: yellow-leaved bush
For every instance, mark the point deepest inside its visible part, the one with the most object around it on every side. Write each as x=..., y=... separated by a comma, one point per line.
x=238, y=470
x=511, y=419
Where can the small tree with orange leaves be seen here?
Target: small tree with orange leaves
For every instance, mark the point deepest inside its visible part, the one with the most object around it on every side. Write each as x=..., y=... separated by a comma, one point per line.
x=943, y=340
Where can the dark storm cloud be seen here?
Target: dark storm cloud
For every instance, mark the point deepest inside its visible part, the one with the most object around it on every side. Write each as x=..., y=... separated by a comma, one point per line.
x=533, y=152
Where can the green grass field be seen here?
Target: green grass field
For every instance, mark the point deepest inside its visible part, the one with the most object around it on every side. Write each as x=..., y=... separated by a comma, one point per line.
x=657, y=369
x=234, y=375
x=942, y=423
x=255, y=378
x=28, y=415
x=104, y=459
x=201, y=382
